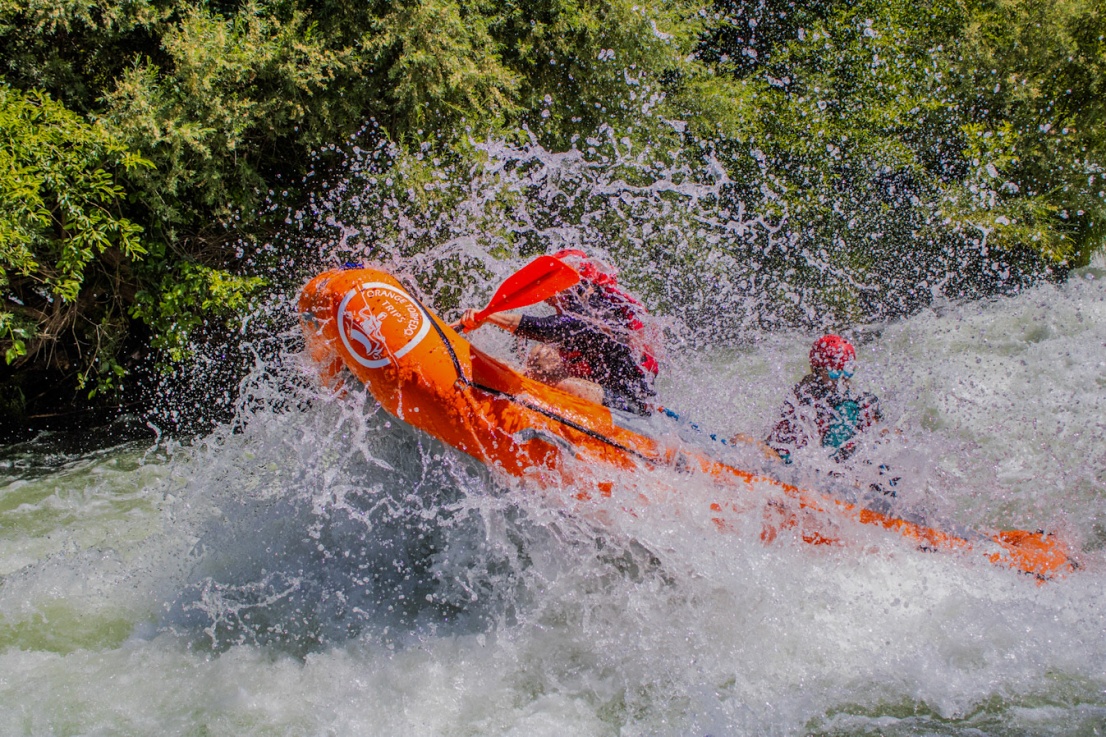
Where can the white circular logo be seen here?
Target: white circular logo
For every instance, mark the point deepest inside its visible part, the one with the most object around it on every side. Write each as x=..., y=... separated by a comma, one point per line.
x=388, y=314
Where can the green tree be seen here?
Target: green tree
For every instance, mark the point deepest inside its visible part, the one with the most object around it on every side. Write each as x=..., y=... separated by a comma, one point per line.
x=65, y=248
x=1040, y=67
x=831, y=138
x=872, y=140
x=233, y=103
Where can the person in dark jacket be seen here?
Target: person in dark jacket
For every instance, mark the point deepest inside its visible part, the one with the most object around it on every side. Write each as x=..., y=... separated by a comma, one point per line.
x=600, y=351
x=823, y=404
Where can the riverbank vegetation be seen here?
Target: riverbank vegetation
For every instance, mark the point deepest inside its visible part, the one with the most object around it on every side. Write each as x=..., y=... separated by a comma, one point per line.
x=858, y=158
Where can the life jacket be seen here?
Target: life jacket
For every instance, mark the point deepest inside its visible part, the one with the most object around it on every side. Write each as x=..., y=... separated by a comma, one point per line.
x=836, y=416
x=841, y=426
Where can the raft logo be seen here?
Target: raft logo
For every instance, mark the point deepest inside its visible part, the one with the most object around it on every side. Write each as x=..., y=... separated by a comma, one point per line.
x=385, y=326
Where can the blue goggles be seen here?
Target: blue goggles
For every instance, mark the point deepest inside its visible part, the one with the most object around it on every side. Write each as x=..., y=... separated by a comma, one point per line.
x=836, y=374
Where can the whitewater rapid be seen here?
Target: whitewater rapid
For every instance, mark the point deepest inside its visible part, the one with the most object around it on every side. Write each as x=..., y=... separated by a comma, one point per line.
x=317, y=568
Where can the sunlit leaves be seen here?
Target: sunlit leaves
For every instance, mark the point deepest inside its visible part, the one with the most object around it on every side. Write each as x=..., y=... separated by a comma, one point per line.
x=587, y=64
x=171, y=308
x=59, y=215
x=442, y=67
x=987, y=201
x=231, y=85
x=1041, y=66
x=865, y=124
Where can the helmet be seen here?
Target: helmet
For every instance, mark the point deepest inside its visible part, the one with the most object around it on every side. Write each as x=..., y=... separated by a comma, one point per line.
x=832, y=352
x=590, y=270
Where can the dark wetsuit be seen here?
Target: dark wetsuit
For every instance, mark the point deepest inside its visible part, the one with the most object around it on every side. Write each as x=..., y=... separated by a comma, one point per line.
x=589, y=353
x=836, y=416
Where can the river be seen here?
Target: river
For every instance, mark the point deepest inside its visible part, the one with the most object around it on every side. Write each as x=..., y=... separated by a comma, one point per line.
x=317, y=568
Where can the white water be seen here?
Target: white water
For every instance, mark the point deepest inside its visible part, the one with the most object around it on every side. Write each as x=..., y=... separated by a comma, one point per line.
x=321, y=570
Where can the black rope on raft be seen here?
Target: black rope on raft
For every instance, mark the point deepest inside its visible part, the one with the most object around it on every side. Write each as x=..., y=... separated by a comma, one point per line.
x=462, y=379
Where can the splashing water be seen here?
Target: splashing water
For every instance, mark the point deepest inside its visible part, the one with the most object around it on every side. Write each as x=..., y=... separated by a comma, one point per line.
x=317, y=567
x=313, y=566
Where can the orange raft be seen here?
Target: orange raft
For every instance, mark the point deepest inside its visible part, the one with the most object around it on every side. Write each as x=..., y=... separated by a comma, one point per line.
x=426, y=374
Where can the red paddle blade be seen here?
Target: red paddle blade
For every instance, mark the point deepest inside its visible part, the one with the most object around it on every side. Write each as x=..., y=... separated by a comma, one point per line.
x=537, y=281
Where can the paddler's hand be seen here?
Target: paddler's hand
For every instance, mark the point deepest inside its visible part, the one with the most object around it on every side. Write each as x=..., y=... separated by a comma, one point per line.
x=468, y=321
x=506, y=320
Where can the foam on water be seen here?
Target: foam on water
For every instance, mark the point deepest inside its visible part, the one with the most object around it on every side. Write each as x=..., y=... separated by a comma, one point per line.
x=319, y=568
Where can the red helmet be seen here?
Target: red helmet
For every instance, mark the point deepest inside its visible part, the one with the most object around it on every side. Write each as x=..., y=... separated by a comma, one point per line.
x=590, y=271
x=832, y=352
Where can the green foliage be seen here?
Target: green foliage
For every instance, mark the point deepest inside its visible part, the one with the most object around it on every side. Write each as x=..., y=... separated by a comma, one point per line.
x=60, y=227
x=170, y=308
x=874, y=130
x=442, y=67
x=75, y=50
x=585, y=65
x=988, y=201
x=1041, y=68
x=230, y=93
x=146, y=144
